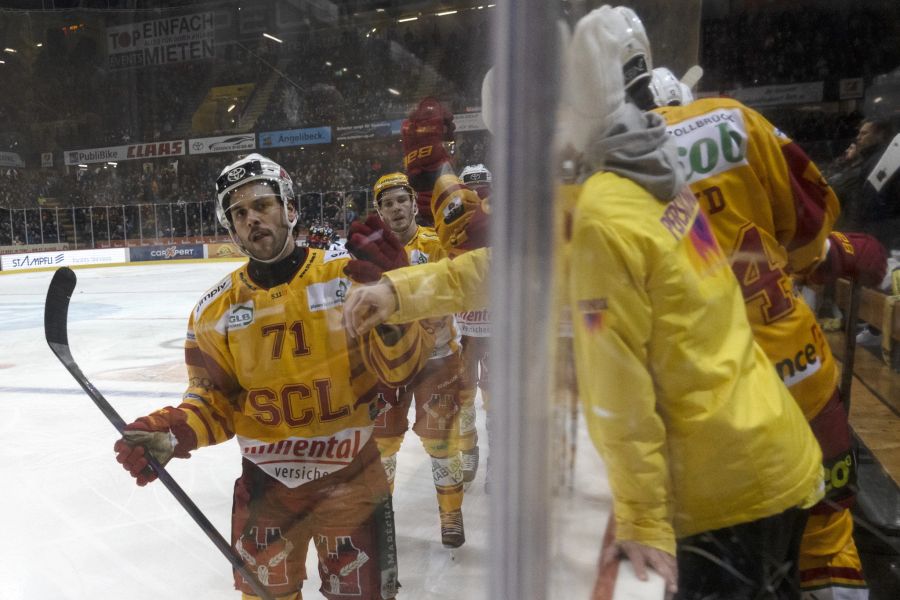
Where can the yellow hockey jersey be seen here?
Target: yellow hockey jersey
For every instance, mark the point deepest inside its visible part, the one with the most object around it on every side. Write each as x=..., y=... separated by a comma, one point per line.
x=425, y=247
x=275, y=368
x=771, y=211
x=695, y=428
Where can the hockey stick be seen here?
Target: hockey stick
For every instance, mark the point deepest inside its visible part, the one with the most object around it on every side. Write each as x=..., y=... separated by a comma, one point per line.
x=850, y=343
x=56, y=316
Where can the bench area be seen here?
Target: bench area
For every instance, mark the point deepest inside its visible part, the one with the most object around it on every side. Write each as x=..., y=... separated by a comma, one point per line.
x=875, y=419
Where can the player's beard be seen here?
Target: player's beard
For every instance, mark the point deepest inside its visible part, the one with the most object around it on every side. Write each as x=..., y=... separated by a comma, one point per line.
x=266, y=243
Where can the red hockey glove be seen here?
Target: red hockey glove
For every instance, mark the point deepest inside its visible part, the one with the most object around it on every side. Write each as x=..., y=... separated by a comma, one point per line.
x=429, y=125
x=374, y=248
x=461, y=217
x=164, y=434
x=854, y=255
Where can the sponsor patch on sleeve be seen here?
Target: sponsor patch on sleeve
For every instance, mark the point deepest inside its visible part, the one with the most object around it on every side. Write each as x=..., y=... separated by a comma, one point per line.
x=210, y=295
x=593, y=313
x=329, y=294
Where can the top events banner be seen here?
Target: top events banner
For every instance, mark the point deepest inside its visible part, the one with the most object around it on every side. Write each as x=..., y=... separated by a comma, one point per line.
x=161, y=41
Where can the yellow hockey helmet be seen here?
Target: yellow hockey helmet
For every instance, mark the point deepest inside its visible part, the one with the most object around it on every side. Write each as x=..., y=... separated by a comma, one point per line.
x=391, y=181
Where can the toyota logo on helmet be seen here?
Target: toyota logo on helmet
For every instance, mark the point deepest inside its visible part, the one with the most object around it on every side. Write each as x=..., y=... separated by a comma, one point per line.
x=236, y=174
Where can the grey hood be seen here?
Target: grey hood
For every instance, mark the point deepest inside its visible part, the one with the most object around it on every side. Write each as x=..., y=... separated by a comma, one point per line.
x=635, y=145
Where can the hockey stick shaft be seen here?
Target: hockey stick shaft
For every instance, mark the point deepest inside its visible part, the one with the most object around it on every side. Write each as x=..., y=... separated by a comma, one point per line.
x=56, y=312
x=850, y=343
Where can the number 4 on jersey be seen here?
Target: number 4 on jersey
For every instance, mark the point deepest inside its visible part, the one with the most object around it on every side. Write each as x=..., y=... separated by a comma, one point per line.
x=760, y=277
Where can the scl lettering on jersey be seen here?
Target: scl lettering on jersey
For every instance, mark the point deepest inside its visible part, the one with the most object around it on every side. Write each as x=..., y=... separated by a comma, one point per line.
x=210, y=295
x=711, y=143
x=322, y=296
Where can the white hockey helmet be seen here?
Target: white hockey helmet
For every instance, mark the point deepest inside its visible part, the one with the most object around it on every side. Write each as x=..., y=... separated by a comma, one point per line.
x=253, y=167
x=667, y=90
x=476, y=175
x=635, y=56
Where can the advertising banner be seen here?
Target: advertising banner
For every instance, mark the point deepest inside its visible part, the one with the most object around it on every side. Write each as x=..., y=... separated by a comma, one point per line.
x=774, y=95
x=170, y=252
x=130, y=152
x=67, y=258
x=225, y=143
x=469, y=122
x=161, y=41
x=11, y=159
x=24, y=248
x=46, y=159
x=363, y=131
x=295, y=137
x=223, y=251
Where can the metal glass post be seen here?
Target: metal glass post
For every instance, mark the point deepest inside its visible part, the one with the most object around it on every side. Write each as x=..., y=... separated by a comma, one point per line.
x=525, y=51
x=108, y=231
x=56, y=215
x=25, y=224
x=74, y=228
x=124, y=225
x=91, y=216
x=140, y=224
x=155, y=223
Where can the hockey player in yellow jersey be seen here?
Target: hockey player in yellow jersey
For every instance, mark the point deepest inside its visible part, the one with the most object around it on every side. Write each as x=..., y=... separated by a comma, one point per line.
x=270, y=364
x=772, y=213
x=444, y=407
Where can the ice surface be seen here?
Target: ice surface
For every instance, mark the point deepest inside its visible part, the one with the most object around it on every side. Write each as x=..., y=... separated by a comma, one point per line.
x=75, y=525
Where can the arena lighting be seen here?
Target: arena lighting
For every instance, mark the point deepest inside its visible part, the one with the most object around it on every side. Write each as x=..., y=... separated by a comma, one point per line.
x=877, y=100
x=445, y=13
x=10, y=50
x=110, y=163
x=327, y=63
x=39, y=44
x=404, y=20
x=273, y=38
x=231, y=108
x=393, y=91
x=2, y=62
x=82, y=166
x=379, y=10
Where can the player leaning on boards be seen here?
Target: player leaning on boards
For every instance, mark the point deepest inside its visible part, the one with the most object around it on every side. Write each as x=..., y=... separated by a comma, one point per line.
x=269, y=363
x=772, y=212
x=437, y=390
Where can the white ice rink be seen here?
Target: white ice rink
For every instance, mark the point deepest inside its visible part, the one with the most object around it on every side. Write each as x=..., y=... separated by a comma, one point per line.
x=76, y=527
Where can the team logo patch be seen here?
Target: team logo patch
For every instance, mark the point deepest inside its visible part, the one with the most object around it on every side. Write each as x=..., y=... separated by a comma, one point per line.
x=236, y=174
x=417, y=257
x=593, y=312
x=453, y=210
x=240, y=315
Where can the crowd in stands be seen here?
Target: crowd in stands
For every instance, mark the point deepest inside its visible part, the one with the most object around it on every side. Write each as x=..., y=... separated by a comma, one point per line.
x=798, y=45
x=333, y=183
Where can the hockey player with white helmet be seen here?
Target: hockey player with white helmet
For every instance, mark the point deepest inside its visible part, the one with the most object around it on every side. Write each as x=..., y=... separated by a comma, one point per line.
x=667, y=90
x=268, y=365
x=773, y=212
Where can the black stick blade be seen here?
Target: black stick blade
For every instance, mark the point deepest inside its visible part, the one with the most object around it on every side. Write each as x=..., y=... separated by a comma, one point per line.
x=56, y=309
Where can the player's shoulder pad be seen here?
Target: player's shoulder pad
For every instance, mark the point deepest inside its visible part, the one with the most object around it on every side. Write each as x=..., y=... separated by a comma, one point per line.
x=211, y=294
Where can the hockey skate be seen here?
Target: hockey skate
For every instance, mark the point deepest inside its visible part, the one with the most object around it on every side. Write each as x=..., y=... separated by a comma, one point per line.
x=469, y=466
x=453, y=534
